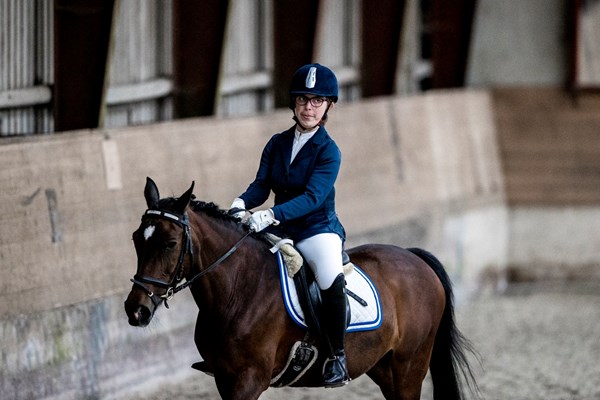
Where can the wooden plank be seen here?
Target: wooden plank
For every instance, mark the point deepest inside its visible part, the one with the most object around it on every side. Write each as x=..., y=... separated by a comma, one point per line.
x=451, y=38
x=198, y=39
x=150, y=90
x=81, y=42
x=381, y=27
x=25, y=97
x=294, y=39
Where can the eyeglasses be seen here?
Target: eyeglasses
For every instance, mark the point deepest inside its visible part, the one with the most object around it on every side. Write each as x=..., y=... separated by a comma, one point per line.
x=314, y=101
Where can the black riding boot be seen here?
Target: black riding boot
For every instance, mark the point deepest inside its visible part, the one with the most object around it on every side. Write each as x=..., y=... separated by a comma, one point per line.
x=334, y=323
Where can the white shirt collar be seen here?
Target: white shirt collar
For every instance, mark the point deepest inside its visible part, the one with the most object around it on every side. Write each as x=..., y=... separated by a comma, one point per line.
x=300, y=139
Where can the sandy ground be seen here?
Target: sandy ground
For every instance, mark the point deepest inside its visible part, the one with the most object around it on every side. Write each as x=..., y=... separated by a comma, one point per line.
x=535, y=342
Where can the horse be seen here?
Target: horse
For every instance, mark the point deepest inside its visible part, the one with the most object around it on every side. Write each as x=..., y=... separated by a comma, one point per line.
x=242, y=330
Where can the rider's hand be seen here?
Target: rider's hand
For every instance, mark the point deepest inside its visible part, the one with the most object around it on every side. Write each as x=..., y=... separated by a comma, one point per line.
x=261, y=219
x=238, y=204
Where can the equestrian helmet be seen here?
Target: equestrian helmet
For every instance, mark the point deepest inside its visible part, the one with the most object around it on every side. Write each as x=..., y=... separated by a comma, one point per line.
x=314, y=79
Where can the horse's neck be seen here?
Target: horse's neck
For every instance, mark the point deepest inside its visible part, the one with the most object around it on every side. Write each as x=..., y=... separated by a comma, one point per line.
x=240, y=273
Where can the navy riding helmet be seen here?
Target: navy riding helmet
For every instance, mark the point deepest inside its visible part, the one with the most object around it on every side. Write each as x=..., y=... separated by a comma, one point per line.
x=314, y=79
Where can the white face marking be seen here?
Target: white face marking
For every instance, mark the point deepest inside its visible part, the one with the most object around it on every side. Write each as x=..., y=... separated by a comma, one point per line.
x=149, y=231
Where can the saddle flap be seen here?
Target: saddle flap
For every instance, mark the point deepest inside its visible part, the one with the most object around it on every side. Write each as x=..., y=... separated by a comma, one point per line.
x=309, y=297
x=364, y=315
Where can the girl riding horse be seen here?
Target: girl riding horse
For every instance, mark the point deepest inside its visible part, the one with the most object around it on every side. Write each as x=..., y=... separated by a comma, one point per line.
x=243, y=331
x=300, y=166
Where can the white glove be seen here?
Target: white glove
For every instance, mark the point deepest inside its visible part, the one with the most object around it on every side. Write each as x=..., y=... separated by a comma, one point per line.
x=238, y=203
x=261, y=219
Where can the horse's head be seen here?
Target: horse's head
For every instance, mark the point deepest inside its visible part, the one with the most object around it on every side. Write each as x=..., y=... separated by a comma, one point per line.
x=163, y=245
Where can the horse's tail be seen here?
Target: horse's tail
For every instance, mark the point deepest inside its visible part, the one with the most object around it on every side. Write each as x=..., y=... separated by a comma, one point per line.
x=449, y=358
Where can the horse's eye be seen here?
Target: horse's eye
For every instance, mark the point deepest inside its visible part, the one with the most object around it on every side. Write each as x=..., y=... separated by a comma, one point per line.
x=171, y=244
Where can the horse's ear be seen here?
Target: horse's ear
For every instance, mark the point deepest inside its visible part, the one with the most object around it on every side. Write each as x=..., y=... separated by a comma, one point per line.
x=184, y=200
x=151, y=194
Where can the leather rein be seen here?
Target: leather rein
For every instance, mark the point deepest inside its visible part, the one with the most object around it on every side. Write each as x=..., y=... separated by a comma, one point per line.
x=175, y=284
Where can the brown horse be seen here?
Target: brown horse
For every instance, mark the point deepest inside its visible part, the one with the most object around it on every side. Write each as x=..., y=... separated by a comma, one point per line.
x=242, y=329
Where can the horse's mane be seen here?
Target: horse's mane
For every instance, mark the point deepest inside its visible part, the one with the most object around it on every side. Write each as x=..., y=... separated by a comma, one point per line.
x=214, y=211
x=210, y=209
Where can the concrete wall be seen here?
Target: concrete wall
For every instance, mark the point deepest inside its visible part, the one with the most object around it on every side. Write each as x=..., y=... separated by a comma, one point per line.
x=421, y=171
x=559, y=243
x=550, y=151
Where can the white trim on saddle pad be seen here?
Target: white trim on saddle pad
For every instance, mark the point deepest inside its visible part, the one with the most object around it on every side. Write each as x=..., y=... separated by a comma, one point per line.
x=362, y=318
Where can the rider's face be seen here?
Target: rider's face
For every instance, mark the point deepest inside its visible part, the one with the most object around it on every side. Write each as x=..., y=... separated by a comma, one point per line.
x=308, y=114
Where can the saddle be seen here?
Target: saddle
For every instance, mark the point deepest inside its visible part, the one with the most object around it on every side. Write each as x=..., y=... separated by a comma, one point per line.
x=309, y=294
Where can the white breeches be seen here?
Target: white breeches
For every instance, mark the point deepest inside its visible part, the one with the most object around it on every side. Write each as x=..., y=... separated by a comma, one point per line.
x=323, y=253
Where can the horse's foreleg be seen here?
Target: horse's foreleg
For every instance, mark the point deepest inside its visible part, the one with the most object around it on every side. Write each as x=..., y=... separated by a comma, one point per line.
x=245, y=385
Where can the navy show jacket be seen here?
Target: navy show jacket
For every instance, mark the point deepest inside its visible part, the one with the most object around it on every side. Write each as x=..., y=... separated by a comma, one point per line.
x=304, y=190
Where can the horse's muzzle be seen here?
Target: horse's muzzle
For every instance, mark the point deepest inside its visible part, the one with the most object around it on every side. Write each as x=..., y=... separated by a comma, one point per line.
x=139, y=316
x=138, y=313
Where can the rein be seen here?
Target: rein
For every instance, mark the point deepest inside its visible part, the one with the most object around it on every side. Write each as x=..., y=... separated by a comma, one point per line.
x=174, y=286
x=214, y=264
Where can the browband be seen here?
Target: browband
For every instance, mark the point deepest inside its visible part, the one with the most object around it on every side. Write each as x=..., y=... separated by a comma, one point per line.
x=181, y=220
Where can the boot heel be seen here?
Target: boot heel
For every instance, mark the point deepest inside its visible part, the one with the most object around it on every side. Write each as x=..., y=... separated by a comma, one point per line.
x=335, y=373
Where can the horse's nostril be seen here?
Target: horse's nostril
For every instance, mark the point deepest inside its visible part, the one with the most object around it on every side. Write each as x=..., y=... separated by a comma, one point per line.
x=144, y=315
x=139, y=315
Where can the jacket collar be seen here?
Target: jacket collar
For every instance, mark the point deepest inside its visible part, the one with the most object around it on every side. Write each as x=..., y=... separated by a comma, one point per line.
x=317, y=139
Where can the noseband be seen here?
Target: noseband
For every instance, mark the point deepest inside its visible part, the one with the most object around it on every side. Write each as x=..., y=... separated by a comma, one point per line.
x=174, y=286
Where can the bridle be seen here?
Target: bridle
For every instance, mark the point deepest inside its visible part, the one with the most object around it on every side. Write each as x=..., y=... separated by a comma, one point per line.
x=170, y=287
x=175, y=284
